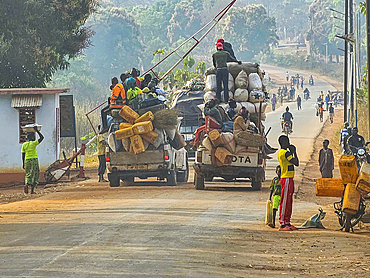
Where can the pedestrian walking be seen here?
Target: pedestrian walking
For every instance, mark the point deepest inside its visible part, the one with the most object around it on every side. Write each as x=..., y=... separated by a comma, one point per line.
x=30, y=160
x=331, y=113
x=275, y=191
x=273, y=102
x=327, y=99
x=287, y=159
x=287, y=76
x=299, y=102
x=343, y=135
x=326, y=160
x=101, y=145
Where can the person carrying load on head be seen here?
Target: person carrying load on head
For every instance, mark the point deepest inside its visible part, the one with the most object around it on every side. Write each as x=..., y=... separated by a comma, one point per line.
x=30, y=160
x=220, y=58
x=116, y=101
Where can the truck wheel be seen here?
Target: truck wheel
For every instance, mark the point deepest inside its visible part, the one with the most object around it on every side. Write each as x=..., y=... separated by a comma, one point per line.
x=199, y=182
x=172, y=178
x=183, y=176
x=128, y=180
x=114, y=180
x=256, y=185
x=208, y=177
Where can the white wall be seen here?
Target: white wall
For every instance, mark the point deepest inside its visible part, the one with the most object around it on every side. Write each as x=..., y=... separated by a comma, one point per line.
x=10, y=148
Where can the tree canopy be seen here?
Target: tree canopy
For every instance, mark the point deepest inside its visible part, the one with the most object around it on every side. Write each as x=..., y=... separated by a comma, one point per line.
x=39, y=37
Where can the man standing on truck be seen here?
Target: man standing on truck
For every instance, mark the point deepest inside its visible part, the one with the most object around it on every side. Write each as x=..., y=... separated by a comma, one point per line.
x=287, y=159
x=220, y=58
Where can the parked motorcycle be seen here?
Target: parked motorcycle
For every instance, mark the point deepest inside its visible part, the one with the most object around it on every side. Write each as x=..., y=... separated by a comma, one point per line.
x=348, y=221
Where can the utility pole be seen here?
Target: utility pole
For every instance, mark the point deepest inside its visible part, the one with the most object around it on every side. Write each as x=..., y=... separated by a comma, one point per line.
x=352, y=98
x=345, y=96
x=368, y=58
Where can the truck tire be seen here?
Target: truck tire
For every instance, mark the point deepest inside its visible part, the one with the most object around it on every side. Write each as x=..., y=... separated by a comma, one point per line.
x=172, y=178
x=256, y=185
x=128, y=180
x=114, y=180
x=199, y=182
x=183, y=176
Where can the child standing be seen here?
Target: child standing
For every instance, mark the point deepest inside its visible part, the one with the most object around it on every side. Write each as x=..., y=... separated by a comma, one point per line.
x=275, y=190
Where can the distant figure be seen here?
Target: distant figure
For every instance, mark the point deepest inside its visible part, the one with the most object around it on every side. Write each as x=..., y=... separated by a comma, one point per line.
x=302, y=82
x=287, y=159
x=101, y=144
x=326, y=160
x=299, y=102
x=287, y=76
x=273, y=102
x=220, y=58
x=343, y=134
x=30, y=161
x=327, y=100
x=331, y=113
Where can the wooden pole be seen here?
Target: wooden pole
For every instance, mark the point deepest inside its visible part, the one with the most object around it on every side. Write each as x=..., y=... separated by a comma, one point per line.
x=368, y=58
x=345, y=103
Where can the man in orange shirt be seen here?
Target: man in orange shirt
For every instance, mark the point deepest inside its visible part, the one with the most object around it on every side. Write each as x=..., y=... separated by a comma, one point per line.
x=116, y=101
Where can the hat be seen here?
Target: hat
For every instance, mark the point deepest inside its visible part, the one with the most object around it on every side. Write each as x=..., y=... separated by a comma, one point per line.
x=146, y=89
x=220, y=40
x=219, y=45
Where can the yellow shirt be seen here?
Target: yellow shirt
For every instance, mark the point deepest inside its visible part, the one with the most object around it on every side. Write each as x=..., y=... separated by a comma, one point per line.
x=101, y=144
x=29, y=148
x=287, y=168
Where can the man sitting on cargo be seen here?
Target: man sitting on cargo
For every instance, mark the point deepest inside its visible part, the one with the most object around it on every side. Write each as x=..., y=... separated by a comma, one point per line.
x=116, y=101
x=220, y=59
x=210, y=109
x=134, y=94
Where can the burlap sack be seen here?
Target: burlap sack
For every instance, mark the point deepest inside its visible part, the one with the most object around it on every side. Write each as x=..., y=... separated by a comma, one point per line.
x=241, y=81
x=211, y=84
x=241, y=95
x=249, y=139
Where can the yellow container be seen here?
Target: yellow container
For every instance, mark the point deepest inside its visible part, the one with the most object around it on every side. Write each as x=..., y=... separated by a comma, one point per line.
x=223, y=155
x=363, y=181
x=150, y=137
x=329, y=187
x=124, y=133
x=137, y=144
x=141, y=128
x=215, y=138
x=148, y=116
x=125, y=125
x=351, y=199
x=348, y=169
x=128, y=114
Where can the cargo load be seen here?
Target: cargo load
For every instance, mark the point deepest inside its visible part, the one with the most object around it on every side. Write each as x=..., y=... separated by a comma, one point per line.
x=326, y=187
x=128, y=114
x=142, y=127
x=363, y=181
x=348, y=169
x=351, y=199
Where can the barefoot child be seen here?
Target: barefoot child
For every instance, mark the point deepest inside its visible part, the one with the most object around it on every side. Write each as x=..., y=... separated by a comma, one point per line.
x=275, y=190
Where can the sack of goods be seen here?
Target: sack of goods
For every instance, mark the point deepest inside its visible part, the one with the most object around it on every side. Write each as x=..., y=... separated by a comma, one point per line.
x=241, y=95
x=241, y=81
x=249, y=139
x=211, y=84
x=255, y=82
x=256, y=96
x=209, y=95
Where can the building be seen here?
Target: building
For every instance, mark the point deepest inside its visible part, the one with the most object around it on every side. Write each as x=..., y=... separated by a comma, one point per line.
x=19, y=107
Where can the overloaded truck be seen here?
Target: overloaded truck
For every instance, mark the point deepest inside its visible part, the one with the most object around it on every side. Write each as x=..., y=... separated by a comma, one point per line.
x=236, y=153
x=146, y=144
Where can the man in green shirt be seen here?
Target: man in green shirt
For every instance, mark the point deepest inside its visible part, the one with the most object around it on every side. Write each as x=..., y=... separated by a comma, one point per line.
x=30, y=160
x=220, y=58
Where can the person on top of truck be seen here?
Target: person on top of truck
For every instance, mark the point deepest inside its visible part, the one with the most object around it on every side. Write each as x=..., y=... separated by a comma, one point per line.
x=242, y=121
x=210, y=109
x=133, y=93
x=146, y=81
x=135, y=73
x=220, y=58
x=230, y=111
x=227, y=47
x=116, y=101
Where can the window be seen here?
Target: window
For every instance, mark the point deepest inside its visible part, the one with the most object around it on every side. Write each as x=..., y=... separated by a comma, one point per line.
x=26, y=116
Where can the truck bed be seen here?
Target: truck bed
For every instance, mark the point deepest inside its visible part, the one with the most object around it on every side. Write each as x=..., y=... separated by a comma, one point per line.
x=126, y=158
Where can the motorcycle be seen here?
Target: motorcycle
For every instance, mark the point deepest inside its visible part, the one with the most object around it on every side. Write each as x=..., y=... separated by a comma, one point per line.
x=286, y=128
x=310, y=81
x=348, y=221
x=361, y=154
x=306, y=95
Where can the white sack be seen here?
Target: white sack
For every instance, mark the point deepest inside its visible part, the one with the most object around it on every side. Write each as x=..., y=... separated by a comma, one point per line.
x=211, y=84
x=209, y=95
x=241, y=95
x=241, y=81
x=254, y=82
x=256, y=96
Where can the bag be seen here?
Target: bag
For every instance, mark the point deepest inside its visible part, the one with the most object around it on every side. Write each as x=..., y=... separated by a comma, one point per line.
x=208, y=96
x=241, y=95
x=241, y=81
x=211, y=84
x=269, y=214
x=255, y=82
x=256, y=96
x=149, y=102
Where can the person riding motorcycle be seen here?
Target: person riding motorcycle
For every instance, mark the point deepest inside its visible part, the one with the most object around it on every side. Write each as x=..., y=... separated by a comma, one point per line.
x=306, y=94
x=288, y=117
x=355, y=141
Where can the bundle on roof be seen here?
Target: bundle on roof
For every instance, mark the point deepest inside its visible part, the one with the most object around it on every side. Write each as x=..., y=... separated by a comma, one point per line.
x=165, y=119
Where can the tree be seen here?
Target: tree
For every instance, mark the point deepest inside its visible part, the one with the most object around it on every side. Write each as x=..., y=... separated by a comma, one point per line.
x=249, y=29
x=39, y=37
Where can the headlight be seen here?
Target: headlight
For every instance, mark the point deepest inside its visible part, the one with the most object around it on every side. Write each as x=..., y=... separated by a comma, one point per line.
x=361, y=152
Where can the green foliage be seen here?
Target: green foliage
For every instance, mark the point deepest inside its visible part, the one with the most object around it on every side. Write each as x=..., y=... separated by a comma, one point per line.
x=201, y=68
x=250, y=29
x=188, y=63
x=39, y=37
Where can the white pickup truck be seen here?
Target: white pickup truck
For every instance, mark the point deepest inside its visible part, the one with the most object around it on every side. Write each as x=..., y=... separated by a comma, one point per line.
x=163, y=163
x=244, y=165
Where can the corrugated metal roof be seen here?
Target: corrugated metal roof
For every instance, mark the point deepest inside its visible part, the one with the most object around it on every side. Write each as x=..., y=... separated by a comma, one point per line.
x=21, y=101
x=32, y=91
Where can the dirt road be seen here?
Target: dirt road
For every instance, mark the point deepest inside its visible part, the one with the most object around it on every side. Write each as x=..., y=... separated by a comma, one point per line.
x=87, y=229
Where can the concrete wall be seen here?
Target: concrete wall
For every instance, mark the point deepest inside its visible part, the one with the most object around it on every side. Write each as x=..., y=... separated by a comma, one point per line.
x=10, y=148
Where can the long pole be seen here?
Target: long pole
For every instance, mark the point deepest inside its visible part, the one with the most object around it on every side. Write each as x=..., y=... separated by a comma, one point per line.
x=368, y=58
x=345, y=96
x=351, y=64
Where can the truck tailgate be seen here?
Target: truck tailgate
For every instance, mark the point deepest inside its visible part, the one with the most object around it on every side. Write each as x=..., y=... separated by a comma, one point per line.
x=246, y=159
x=126, y=158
